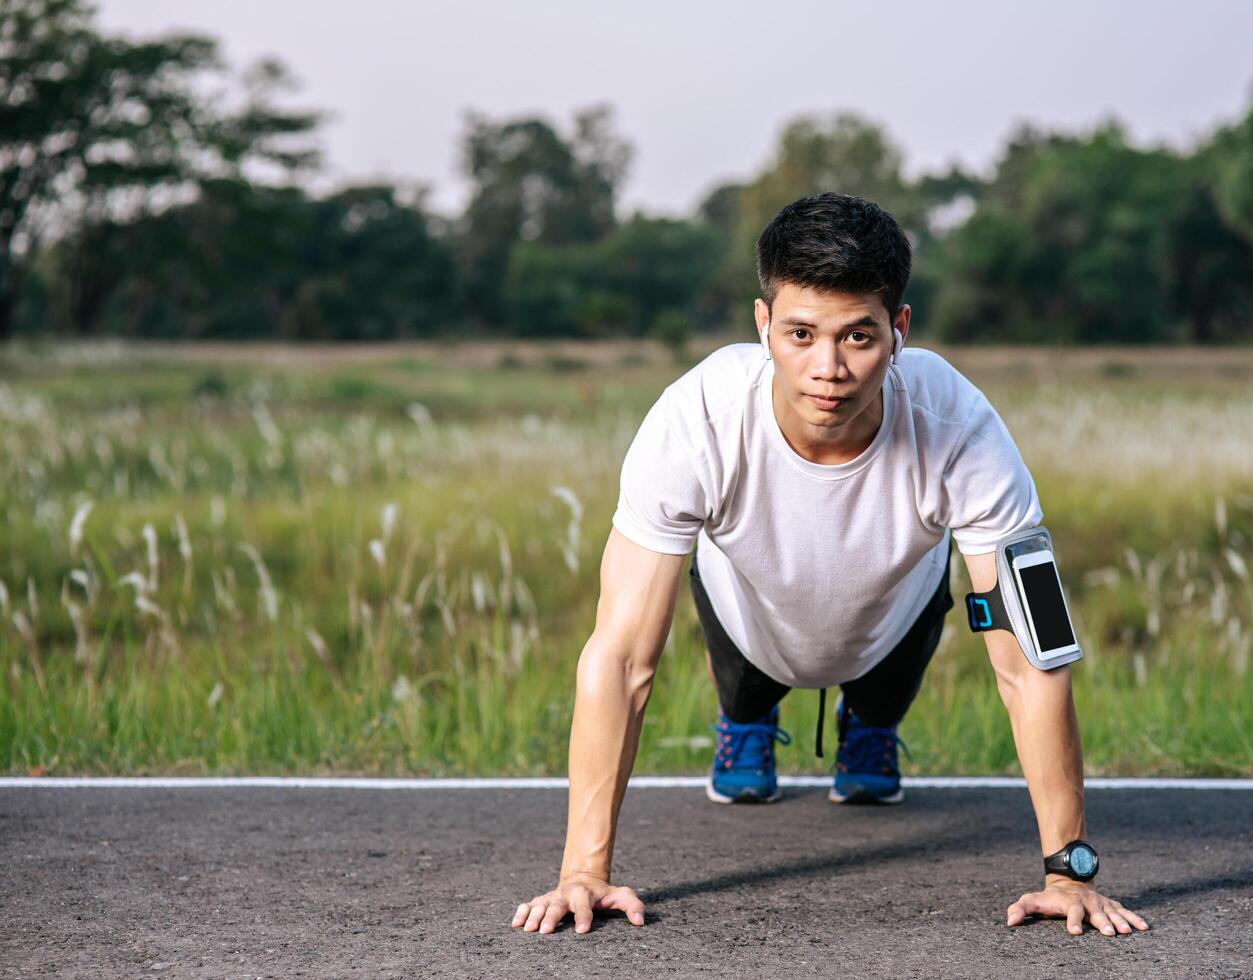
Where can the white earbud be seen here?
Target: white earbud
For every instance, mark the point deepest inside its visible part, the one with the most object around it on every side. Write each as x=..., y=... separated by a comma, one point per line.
x=765, y=342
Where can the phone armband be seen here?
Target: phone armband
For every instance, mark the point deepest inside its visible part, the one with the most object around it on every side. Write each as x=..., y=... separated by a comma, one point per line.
x=1027, y=600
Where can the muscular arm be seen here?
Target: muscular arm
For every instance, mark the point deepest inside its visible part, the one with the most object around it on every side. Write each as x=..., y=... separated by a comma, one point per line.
x=1046, y=736
x=614, y=679
x=1042, y=717
x=610, y=697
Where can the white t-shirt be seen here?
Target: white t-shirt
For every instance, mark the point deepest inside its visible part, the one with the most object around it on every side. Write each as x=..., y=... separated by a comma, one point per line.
x=817, y=571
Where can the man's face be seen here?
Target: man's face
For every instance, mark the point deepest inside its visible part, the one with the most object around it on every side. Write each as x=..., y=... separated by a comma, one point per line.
x=829, y=344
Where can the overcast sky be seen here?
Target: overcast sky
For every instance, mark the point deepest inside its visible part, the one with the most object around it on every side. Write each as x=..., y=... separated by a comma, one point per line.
x=701, y=89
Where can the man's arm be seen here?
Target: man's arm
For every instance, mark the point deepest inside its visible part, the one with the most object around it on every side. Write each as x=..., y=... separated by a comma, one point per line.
x=1046, y=736
x=638, y=590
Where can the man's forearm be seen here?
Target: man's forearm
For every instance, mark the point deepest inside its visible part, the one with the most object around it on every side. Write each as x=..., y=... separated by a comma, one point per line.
x=1046, y=735
x=611, y=694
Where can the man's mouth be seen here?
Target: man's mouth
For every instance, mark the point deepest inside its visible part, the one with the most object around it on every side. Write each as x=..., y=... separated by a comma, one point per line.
x=827, y=403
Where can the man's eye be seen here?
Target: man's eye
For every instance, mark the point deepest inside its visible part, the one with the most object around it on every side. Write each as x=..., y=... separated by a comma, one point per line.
x=797, y=330
x=859, y=333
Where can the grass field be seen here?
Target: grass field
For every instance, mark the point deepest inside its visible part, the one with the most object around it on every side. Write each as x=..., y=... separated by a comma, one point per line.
x=385, y=559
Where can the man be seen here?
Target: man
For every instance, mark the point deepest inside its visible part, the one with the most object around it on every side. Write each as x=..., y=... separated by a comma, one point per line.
x=821, y=476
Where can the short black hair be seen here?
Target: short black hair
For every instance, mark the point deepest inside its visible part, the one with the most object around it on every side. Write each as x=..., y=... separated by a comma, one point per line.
x=838, y=242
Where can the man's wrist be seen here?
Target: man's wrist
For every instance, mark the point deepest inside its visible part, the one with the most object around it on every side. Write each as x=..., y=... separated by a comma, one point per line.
x=1051, y=878
x=590, y=871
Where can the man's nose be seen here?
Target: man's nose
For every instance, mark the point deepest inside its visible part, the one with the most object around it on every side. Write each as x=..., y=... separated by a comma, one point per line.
x=827, y=361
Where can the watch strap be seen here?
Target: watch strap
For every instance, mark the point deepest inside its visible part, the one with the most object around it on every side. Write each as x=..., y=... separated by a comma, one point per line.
x=1059, y=861
x=1056, y=862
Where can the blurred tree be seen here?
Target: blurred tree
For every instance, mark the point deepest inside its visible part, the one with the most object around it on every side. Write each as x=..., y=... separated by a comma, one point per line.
x=1226, y=161
x=645, y=270
x=1022, y=152
x=946, y=200
x=93, y=128
x=530, y=184
x=545, y=293
x=1212, y=240
x=721, y=208
x=1208, y=270
x=133, y=203
x=657, y=266
x=720, y=299
x=671, y=328
x=394, y=276
x=252, y=261
x=221, y=265
x=840, y=152
x=1071, y=243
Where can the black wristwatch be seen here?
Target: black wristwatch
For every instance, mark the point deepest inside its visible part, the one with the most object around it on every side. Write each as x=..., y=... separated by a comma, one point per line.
x=1076, y=860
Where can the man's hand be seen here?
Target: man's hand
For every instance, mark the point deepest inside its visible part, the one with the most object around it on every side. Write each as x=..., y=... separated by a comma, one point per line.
x=579, y=894
x=1075, y=901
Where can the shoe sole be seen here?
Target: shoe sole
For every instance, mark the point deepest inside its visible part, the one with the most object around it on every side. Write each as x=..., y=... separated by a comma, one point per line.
x=863, y=797
x=747, y=797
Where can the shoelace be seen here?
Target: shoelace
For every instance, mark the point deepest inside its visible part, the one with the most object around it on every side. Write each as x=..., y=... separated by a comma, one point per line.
x=867, y=748
x=748, y=746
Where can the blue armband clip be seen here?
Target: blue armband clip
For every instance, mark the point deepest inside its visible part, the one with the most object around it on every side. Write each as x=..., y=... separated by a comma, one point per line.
x=1027, y=600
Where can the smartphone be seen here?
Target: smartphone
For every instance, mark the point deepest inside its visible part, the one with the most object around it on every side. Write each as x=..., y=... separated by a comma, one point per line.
x=1048, y=618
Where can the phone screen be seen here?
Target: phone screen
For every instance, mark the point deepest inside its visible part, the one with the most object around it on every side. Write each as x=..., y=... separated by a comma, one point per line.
x=1043, y=592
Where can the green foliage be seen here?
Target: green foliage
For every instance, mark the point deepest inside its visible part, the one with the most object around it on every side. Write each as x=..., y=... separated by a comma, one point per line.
x=646, y=268
x=244, y=261
x=93, y=117
x=127, y=208
x=533, y=185
x=838, y=152
x=1092, y=241
x=1226, y=161
x=672, y=329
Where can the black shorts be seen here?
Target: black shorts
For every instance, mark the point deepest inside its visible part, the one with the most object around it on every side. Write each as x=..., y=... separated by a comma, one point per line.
x=881, y=696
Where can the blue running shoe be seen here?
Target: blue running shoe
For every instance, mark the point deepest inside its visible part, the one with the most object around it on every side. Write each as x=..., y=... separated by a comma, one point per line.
x=743, y=768
x=866, y=770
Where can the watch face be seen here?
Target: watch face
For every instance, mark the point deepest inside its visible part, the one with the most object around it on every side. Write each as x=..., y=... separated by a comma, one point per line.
x=1083, y=860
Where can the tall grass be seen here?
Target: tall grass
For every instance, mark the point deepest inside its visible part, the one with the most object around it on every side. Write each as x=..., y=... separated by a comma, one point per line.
x=392, y=568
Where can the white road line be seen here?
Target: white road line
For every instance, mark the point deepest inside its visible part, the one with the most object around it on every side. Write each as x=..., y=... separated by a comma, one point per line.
x=639, y=782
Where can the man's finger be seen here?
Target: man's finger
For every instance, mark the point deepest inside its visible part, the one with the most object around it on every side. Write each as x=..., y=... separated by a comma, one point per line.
x=625, y=900
x=556, y=912
x=1119, y=922
x=519, y=916
x=1101, y=921
x=1131, y=917
x=538, y=907
x=1074, y=918
x=1016, y=914
x=581, y=906
x=1036, y=903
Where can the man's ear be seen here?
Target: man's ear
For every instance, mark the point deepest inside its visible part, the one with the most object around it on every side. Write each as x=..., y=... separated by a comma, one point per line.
x=901, y=320
x=761, y=313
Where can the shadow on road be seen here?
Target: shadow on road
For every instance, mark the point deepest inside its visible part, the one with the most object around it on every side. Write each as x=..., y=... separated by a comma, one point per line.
x=975, y=841
x=1161, y=894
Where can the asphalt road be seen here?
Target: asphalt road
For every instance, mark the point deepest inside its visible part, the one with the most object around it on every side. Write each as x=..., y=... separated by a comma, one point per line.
x=198, y=882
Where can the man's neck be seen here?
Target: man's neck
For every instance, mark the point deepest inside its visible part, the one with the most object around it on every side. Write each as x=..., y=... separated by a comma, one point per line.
x=822, y=445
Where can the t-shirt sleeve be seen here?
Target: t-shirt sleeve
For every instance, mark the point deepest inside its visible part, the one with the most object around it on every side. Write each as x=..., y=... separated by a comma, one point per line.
x=663, y=499
x=987, y=492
